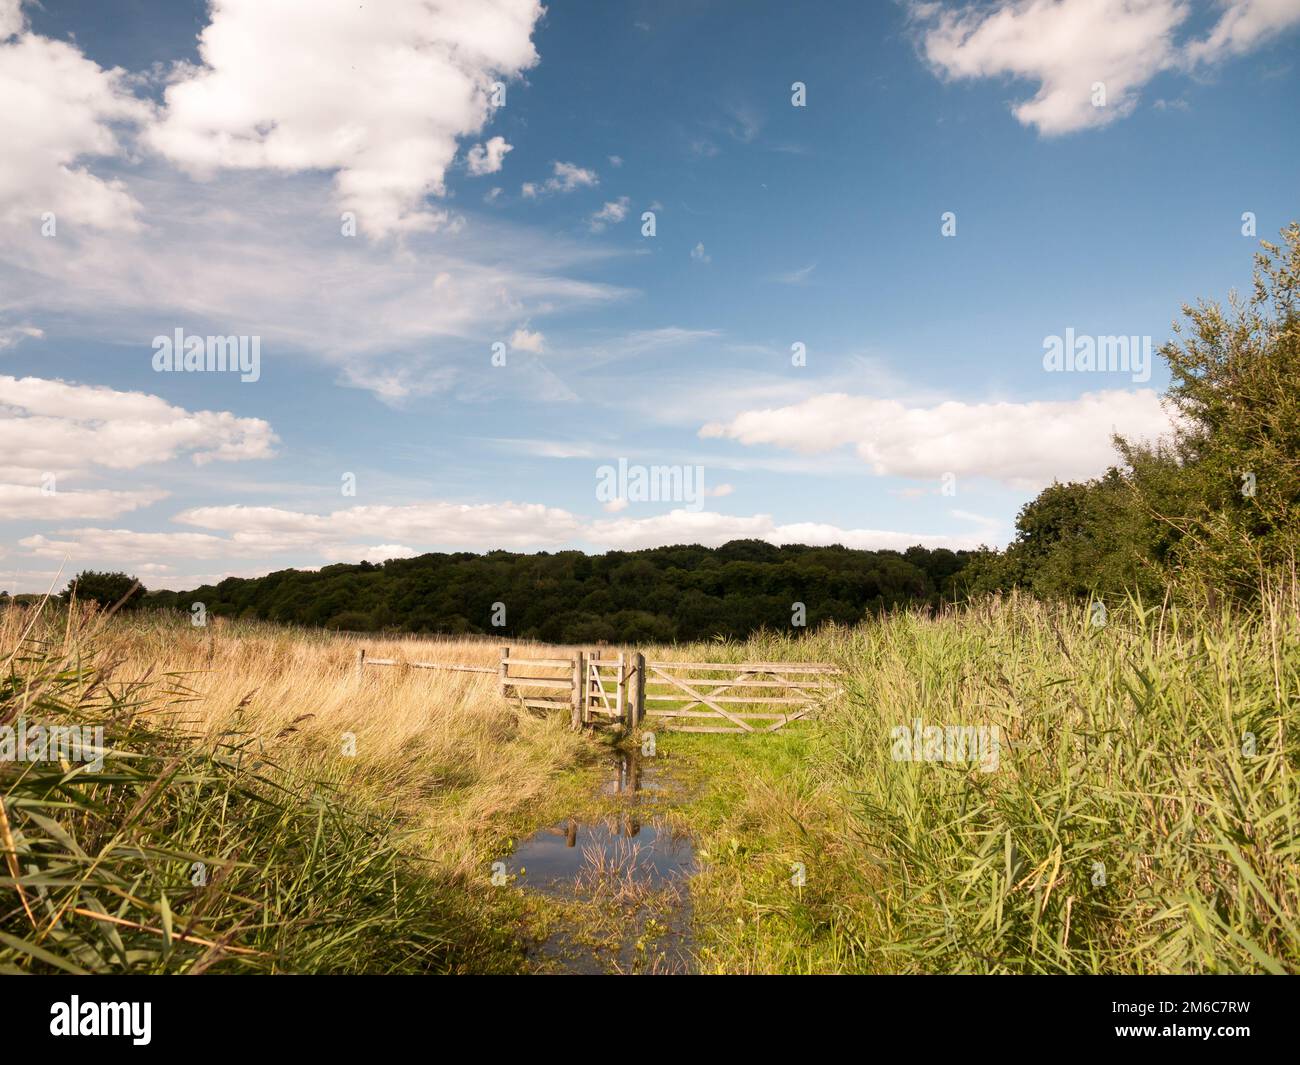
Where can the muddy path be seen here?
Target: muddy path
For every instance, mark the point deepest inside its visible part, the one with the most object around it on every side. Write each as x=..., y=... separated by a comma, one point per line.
x=609, y=891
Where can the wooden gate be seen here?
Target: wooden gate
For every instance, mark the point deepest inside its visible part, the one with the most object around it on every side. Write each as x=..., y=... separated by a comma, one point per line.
x=605, y=694
x=543, y=683
x=763, y=696
x=600, y=686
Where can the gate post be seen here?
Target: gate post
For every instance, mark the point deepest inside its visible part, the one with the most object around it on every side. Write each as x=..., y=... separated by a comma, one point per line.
x=578, y=716
x=620, y=691
x=504, y=671
x=638, y=690
x=361, y=663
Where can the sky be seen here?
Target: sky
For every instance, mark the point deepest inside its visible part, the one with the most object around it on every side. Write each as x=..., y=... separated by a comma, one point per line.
x=602, y=275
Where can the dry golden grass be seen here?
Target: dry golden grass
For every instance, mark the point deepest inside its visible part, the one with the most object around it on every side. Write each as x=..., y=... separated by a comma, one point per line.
x=443, y=748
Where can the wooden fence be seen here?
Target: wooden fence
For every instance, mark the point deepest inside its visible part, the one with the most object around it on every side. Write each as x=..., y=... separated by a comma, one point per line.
x=601, y=686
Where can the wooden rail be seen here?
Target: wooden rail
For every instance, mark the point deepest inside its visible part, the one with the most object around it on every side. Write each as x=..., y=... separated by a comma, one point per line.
x=604, y=687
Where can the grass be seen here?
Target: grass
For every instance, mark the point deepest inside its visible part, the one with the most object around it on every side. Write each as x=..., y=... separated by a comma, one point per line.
x=229, y=830
x=1142, y=816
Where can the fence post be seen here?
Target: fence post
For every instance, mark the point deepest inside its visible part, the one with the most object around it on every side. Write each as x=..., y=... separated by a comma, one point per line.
x=576, y=718
x=505, y=665
x=638, y=690
x=361, y=663
x=620, y=691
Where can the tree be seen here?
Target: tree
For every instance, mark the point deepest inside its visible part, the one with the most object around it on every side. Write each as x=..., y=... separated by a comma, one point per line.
x=106, y=589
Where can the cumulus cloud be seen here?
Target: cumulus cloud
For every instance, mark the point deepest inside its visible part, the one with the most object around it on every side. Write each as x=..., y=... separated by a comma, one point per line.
x=613, y=212
x=60, y=109
x=11, y=18
x=126, y=545
x=56, y=503
x=376, y=93
x=487, y=158
x=699, y=254
x=523, y=340
x=1068, y=46
x=1026, y=444
x=438, y=523
x=50, y=425
x=566, y=177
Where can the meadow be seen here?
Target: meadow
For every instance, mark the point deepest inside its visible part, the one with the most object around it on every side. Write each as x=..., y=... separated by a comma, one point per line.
x=261, y=809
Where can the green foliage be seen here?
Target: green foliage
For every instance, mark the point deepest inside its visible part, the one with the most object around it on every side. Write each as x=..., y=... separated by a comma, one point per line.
x=1142, y=814
x=106, y=589
x=651, y=596
x=1077, y=540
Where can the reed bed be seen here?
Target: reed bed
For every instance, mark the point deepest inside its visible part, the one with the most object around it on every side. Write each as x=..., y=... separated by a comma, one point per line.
x=259, y=807
x=1142, y=816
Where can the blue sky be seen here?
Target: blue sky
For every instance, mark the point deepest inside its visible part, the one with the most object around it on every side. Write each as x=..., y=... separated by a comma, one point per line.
x=199, y=162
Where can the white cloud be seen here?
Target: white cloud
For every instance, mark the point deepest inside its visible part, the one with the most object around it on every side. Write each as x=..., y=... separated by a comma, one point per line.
x=1244, y=25
x=60, y=109
x=1065, y=46
x=712, y=529
x=15, y=334
x=426, y=525
x=797, y=277
x=1026, y=444
x=367, y=552
x=550, y=449
x=523, y=340
x=376, y=93
x=251, y=255
x=566, y=177
x=11, y=18
x=48, y=425
x=699, y=254
x=402, y=531
x=1068, y=46
x=31, y=502
x=615, y=160
x=613, y=212
x=124, y=545
x=487, y=158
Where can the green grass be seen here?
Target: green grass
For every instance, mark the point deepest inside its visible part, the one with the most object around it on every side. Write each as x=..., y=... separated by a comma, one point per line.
x=1128, y=827
x=1143, y=817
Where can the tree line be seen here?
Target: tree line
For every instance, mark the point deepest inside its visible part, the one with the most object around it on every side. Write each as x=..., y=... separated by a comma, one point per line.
x=685, y=592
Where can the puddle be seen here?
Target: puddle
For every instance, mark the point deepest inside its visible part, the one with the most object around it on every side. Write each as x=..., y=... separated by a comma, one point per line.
x=630, y=867
x=558, y=860
x=634, y=777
